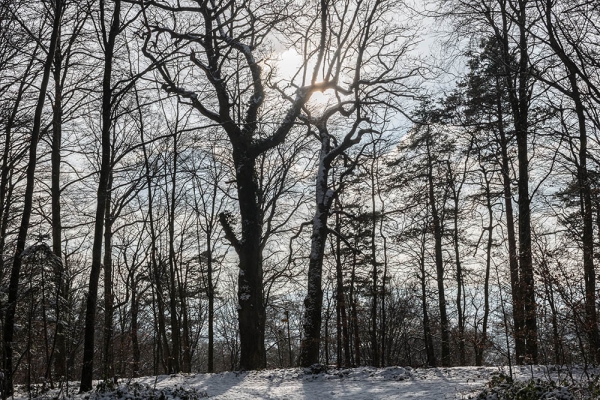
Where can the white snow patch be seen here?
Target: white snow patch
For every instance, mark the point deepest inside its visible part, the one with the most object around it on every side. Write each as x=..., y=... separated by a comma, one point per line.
x=399, y=383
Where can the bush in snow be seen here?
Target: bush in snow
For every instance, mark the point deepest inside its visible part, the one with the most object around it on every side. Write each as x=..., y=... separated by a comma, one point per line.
x=141, y=391
x=502, y=387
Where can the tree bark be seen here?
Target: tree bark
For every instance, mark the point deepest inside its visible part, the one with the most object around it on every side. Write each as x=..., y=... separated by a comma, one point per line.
x=251, y=310
x=313, y=302
x=107, y=343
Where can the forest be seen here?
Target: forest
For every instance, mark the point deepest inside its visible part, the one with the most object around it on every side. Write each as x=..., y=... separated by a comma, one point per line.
x=226, y=185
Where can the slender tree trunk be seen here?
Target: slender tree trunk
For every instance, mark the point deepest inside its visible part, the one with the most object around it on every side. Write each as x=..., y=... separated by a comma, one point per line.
x=517, y=301
x=482, y=343
x=384, y=359
x=326, y=329
x=354, y=312
x=175, y=331
x=134, y=329
x=459, y=286
x=439, y=262
x=157, y=274
x=59, y=348
x=374, y=273
x=102, y=197
x=429, y=350
x=519, y=98
x=211, y=305
x=186, y=359
x=13, y=288
x=584, y=189
x=341, y=296
x=525, y=256
x=557, y=343
x=588, y=224
x=162, y=344
x=6, y=169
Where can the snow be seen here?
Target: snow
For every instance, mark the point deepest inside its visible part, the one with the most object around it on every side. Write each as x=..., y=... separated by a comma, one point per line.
x=296, y=383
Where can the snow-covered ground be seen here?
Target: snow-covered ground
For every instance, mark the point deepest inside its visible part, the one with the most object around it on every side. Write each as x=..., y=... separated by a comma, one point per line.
x=292, y=384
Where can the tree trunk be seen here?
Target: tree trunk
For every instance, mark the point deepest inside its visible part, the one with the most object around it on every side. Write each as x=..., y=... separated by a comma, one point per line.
x=107, y=345
x=211, y=304
x=134, y=329
x=341, y=297
x=251, y=310
x=59, y=347
x=429, y=350
x=525, y=256
x=6, y=169
x=374, y=273
x=186, y=359
x=459, y=285
x=162, y=346
x=13, y=288
x=175, y=330
x=584, y=189
x=519, y=99
x=102, y=197
x=313, y=302
x=482, y=343
x=588, y=225
x=439, y=262
x=354, y=312
x=517, y=301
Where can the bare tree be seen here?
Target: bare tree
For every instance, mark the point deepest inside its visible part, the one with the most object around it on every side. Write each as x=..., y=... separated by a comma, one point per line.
x=13, y=289
x=234, y=95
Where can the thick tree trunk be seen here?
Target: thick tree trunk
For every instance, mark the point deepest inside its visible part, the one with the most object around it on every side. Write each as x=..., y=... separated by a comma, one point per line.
x=251, y=310
x=107, y=345
x=313, y=302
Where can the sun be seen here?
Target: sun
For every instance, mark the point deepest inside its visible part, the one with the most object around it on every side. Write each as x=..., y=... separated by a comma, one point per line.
x=289, y=62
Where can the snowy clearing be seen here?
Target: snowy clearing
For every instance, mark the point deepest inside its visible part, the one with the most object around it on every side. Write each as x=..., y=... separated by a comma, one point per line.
x=291, y=384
